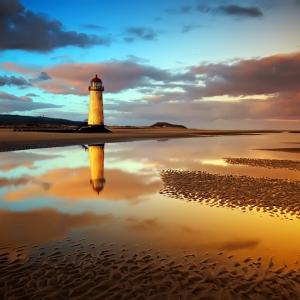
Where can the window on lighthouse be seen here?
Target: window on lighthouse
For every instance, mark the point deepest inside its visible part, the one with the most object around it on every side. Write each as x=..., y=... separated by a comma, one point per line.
x=96, y=85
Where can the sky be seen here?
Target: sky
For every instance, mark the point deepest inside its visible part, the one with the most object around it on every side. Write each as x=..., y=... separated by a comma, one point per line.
x=206, y=64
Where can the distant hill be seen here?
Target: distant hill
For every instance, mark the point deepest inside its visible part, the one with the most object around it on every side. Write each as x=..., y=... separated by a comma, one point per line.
x=16, y=120
x=165, y=124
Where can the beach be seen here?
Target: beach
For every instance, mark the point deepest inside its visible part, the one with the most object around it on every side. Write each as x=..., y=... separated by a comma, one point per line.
x=17, y=140
x=170, y=214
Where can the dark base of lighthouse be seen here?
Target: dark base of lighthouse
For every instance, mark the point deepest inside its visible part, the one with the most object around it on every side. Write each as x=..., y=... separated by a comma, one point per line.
x=93, y=129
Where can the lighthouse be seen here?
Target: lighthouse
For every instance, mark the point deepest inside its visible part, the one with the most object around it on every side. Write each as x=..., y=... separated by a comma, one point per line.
x=95, y=116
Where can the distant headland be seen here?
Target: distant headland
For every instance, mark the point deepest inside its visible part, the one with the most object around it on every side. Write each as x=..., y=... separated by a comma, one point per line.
x=41, y=123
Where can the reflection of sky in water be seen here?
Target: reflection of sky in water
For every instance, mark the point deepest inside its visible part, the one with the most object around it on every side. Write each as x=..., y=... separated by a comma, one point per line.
x=59, y=179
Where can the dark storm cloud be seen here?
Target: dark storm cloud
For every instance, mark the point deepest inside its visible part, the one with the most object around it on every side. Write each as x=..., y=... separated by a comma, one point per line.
x=139, y=33
x=25, y=30
x=243, y=11
x=10, y=103
x=13, y=80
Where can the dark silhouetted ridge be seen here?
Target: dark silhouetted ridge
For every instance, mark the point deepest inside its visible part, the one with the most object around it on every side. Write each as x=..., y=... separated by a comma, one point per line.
x=165, y=124
x=16, y=120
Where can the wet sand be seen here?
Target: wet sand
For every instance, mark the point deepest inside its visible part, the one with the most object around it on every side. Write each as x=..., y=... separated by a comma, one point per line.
x=77, y=270
x=278, y=197
x=292, y=165
x=11, y=140
x=289, y=150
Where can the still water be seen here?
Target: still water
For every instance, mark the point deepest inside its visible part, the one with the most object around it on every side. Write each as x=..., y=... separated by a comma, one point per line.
x=112, y=193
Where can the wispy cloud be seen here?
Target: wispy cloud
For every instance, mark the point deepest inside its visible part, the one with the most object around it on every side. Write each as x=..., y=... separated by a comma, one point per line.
x=13, y=80
x=92, y=26
x=229, y=9
x=139, y=33
x=190, y=27
x=11, y=103
x=243, y=11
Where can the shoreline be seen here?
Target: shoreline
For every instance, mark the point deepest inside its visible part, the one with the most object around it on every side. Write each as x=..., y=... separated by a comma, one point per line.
x=16, y=140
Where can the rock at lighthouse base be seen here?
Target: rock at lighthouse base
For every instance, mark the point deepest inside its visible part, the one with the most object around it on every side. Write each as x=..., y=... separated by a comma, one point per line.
x=94, y=129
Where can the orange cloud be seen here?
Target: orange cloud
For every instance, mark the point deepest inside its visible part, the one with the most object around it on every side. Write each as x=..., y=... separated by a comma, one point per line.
x=267, y=75
x=73, y=78
x=274, y=78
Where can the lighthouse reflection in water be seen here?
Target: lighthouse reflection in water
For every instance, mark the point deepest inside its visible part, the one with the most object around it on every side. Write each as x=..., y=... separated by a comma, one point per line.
x=96, y=155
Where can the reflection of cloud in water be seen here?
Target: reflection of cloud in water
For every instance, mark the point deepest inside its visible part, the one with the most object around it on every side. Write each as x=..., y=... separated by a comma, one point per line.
x=12, y=160
x=42, y=226
x=7, y=182
x=143, y=225
x=4, y=182
x=189, y=230
x=170, y=154
x=73, y=184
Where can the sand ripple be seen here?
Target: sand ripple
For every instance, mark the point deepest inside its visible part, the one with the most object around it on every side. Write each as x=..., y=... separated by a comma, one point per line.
x=276, y=196
x=121, y=274
x=293, y=165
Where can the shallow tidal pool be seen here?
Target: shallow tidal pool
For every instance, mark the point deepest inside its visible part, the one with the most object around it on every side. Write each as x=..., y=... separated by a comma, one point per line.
x=180, y=219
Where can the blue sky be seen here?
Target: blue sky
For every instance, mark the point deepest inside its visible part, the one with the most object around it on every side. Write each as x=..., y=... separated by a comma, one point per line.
x=161, y=60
